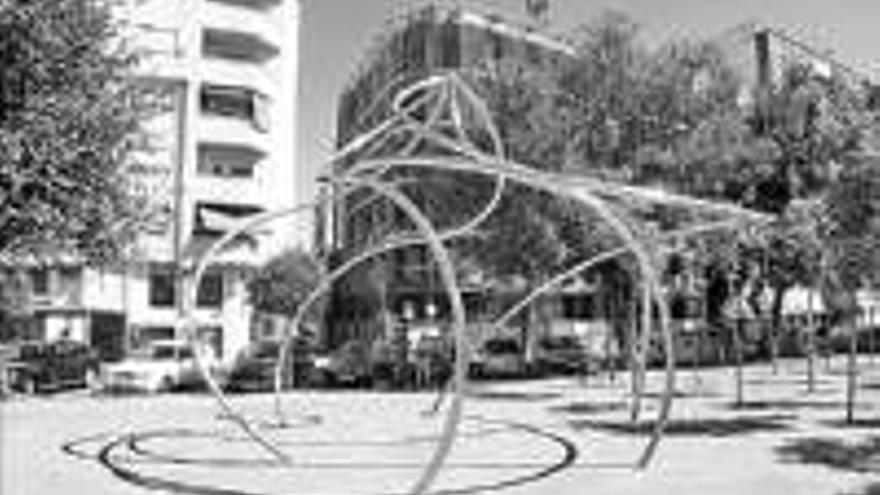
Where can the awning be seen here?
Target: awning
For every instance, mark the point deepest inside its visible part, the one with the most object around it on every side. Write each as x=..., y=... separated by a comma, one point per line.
x=220, y=222
x=243, y=251
x=220, y=218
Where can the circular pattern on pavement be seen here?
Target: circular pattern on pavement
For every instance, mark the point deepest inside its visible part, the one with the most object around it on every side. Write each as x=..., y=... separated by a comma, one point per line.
x=487, y=457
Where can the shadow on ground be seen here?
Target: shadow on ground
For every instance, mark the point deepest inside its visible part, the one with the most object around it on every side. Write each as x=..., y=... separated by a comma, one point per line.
x=872, y=489
x=788, y=405
x=860, y=457
x=787, y=381
x=715, y=427
x=509, y=395
x=589, y=407
x=681, y=394
x=856, y=423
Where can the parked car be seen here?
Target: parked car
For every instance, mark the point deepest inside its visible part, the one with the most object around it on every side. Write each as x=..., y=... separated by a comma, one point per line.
x=254, y=367
x=564, y=354
x=499, y=357
x=36, y=366
x=166, y=365
x=348, y=365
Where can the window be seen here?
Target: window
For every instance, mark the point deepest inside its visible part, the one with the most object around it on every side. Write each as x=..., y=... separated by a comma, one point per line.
x=236, y=102
x=210, y=294
x=579, y=307
x=162, y=288
x=684, y=307
x=40, y=281
x=70, y=284
x=223, y=160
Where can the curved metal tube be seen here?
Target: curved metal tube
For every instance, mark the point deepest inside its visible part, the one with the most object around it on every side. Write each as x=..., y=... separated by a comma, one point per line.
x=449, y=90
x=449, y=279
x=189, y=323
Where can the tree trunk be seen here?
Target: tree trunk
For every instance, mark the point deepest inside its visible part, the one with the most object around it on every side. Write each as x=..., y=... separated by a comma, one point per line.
x=737, y=344
x=811, y=346
x=642, y=350
x=851, y=371
x=776, y=326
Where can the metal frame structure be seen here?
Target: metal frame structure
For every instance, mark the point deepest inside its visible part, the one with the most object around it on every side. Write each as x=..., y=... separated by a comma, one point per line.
x=436, y=110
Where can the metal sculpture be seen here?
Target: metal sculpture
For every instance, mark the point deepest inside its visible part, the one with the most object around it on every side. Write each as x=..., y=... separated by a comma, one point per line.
x=446, y=102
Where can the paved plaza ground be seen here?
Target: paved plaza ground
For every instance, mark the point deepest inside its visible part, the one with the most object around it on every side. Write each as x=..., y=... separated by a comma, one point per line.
x=556, y=436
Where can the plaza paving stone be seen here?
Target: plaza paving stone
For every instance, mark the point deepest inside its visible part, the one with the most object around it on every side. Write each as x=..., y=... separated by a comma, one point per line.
x=556, y=436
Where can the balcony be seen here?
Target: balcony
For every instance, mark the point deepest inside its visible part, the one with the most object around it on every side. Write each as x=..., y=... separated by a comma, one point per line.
x=232, y=32
x=237, y=45
x=239, y=73
x=234, y=114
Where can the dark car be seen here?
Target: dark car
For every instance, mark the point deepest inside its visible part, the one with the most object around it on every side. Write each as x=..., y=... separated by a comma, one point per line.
x=499, y=357
x=254, y=367
x=349, y=365
x=562, y=355
x=35, y=367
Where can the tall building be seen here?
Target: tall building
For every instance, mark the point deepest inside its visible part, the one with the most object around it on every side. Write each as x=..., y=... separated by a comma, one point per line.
x=222, y=151
x=412, y=46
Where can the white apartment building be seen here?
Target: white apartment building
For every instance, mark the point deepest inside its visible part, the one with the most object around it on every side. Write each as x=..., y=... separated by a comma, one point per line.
x=223, y=150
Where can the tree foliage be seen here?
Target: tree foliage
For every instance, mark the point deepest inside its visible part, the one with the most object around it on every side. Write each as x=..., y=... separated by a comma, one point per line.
x=280, y=286
x=68, y=111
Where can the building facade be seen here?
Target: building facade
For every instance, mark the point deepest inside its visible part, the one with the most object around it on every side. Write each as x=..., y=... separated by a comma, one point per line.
x=221, y=151
x=403, y=285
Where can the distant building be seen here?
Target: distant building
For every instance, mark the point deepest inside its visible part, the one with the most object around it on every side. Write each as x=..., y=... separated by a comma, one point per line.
x=426, y=40
x=222, y=152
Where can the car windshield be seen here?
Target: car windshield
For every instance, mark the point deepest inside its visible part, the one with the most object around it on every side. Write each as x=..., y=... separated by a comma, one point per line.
x=166, y=352
x=561, y=343
x=265, y=350
x=502, y=347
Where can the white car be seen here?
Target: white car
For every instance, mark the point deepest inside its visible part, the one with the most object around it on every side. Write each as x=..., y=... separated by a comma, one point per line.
x=166, y=365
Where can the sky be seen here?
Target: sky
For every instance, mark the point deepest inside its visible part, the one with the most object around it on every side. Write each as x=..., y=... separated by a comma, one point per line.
x=335, y=34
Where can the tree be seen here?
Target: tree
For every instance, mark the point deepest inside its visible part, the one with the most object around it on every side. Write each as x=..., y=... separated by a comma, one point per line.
x=853, y=238
x=282, y=284
x=69, y=110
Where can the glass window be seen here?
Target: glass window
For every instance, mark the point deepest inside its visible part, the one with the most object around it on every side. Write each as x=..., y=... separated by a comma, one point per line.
x=685, y=307
x=226, y=161
x=502, y=346
x=40, y=281
x=210, y=294
x=164, y=352
x=579, y=307
x=162, y=288
x=236, y=102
